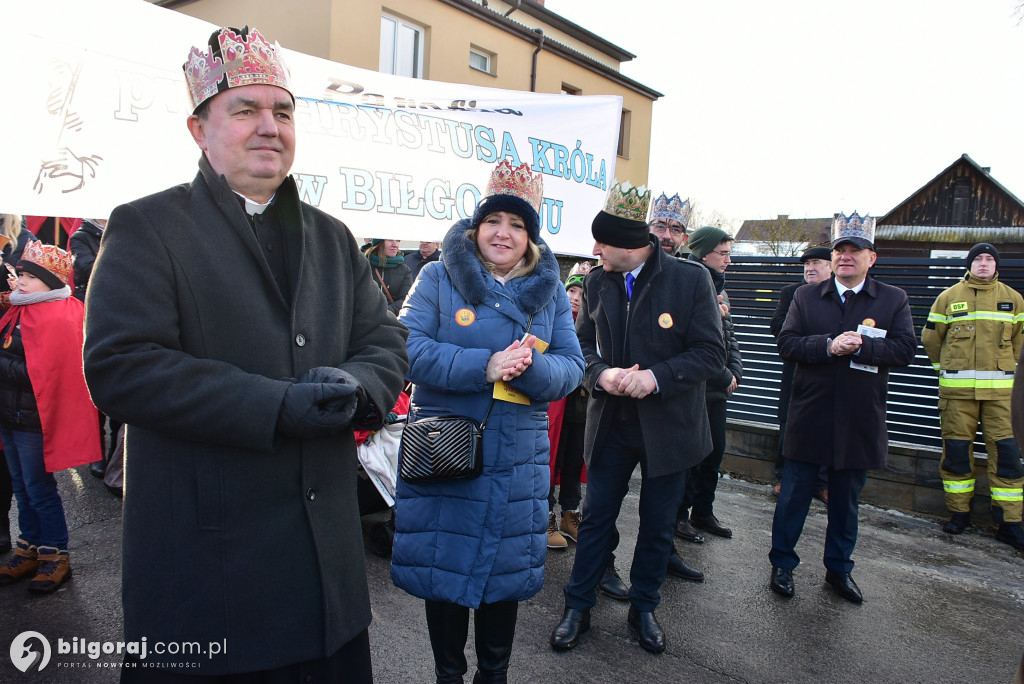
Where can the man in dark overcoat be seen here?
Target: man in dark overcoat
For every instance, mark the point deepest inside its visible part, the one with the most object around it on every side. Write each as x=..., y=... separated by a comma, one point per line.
x=844, y=334
x=817, y=265
x=236, y=332
x=649, y=327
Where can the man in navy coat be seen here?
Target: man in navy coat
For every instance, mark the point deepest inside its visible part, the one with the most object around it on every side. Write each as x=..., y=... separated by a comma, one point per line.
x=844, y=334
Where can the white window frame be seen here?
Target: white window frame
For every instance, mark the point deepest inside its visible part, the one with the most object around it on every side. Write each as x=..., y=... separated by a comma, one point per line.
x=401, y=47
x=488, y=58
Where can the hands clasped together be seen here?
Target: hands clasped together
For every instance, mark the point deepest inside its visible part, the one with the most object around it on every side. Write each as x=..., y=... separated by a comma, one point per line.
x=512, y=361
x=322, y=403
x=845, y=344
x=627, y=382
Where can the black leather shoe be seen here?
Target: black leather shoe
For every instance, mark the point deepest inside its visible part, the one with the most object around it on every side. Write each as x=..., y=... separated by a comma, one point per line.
x=844, y=585
x=712, y=525
x=97, y=469
x=567, y=633
x=782, y=581
x=613, y=587
x=647, y=630
x=957, y=524
x=686, y=531
x=677, y=567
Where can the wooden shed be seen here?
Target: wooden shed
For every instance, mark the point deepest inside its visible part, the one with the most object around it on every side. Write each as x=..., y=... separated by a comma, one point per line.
x=960, y=207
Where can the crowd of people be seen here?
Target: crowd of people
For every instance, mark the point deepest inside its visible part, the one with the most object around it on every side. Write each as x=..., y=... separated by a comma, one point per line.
x=232, y=377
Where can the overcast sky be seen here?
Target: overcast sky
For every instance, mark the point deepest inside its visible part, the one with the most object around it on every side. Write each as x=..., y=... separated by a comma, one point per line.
x=811, y=107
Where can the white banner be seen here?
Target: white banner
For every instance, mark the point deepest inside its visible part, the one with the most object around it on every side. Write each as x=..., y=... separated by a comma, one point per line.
x=97, y=108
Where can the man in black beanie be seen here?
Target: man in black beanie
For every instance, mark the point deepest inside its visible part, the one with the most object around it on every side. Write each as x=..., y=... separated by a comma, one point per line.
x=650, y=333
x=973, y=337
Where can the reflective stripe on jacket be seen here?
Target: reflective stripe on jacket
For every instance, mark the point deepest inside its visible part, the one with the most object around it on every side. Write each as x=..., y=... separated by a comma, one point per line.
x=973, y=338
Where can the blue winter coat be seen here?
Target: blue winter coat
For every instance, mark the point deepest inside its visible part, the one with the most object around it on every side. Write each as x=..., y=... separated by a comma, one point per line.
x=482, y=540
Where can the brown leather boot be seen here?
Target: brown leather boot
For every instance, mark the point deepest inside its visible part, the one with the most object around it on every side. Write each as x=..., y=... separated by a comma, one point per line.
x=54, y=570
x=22, y=564
x=570, y=524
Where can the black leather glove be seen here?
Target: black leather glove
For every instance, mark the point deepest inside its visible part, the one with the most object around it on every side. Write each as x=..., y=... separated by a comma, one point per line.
x=315, y=409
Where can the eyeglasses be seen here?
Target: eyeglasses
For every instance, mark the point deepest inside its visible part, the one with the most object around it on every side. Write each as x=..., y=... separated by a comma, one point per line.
x=658, y=228
x=722, y=253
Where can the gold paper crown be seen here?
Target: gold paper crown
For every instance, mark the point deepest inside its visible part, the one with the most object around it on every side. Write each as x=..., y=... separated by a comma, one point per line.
x=628, y=202
x=672, y=209
x=234, y=58
x=519, y=182
x=53, y=259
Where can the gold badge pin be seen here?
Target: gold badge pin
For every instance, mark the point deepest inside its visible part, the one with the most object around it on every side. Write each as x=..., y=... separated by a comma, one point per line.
x=465, y=317
x=869, y=322
x=665, y=320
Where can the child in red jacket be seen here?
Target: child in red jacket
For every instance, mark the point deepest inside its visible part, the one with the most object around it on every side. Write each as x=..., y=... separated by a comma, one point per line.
x=42, y=391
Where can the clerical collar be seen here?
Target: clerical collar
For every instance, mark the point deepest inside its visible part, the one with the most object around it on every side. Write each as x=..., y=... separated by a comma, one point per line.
x=253, y=208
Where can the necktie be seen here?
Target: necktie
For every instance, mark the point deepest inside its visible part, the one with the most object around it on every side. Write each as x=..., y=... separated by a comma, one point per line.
x=630, y=279
x=848, y=297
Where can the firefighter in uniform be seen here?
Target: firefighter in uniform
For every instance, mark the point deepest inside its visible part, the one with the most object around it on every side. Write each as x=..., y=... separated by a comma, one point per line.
x=973, y=337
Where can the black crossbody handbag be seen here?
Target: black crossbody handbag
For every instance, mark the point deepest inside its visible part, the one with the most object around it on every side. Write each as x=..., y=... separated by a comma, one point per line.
x=443, y=448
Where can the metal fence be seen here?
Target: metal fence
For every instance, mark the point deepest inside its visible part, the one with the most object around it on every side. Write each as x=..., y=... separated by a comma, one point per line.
x=753, y=284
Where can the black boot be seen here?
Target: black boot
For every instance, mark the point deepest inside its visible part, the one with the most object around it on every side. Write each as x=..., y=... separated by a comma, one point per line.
x=448, y=626
x=495, y=627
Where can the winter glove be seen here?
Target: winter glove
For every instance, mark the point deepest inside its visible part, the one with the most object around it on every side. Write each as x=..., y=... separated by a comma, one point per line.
x=314, y=409
x=366, y=416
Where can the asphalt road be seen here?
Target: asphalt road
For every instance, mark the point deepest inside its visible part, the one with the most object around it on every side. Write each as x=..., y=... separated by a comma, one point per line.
x=937, y=608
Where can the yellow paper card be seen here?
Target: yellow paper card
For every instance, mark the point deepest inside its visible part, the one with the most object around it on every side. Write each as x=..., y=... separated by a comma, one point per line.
x=503, y=392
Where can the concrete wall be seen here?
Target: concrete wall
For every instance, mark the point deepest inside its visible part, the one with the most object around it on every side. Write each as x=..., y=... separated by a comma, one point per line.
x=911, y=483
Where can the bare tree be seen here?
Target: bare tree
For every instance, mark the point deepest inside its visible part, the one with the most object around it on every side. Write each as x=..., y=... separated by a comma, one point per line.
x=701, y=217
x=784, y=236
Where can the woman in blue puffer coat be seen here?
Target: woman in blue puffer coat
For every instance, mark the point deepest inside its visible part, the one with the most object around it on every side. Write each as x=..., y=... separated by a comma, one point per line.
x=481, y=543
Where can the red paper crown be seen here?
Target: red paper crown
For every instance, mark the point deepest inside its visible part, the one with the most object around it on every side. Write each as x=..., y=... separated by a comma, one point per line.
x=233, y=59
x=519, y=182
x=53, y=259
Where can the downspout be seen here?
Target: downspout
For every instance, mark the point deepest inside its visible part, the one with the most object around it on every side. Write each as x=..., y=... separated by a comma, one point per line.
x=533, y=73
x=512, y=9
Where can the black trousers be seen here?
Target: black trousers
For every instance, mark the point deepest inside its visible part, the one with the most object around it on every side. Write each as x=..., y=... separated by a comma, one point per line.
x=703, y=479
x=569, y=467
x=350, y=664
x=494, y=630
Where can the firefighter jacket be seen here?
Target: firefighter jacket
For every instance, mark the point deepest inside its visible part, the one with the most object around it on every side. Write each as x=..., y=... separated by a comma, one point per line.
x=973, y=337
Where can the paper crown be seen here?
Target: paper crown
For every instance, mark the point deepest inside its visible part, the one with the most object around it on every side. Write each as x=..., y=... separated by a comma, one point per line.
x=860, y=230
x=581, y=268
x=671, y=209
x=38, y=257
x=518, y=182
x=628, y=202
x=234, y=58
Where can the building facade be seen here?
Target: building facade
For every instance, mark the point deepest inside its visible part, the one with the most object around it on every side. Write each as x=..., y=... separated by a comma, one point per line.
x=515, y=45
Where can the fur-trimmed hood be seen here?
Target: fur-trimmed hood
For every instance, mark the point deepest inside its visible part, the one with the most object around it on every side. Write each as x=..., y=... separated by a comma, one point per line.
x=473, y=281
